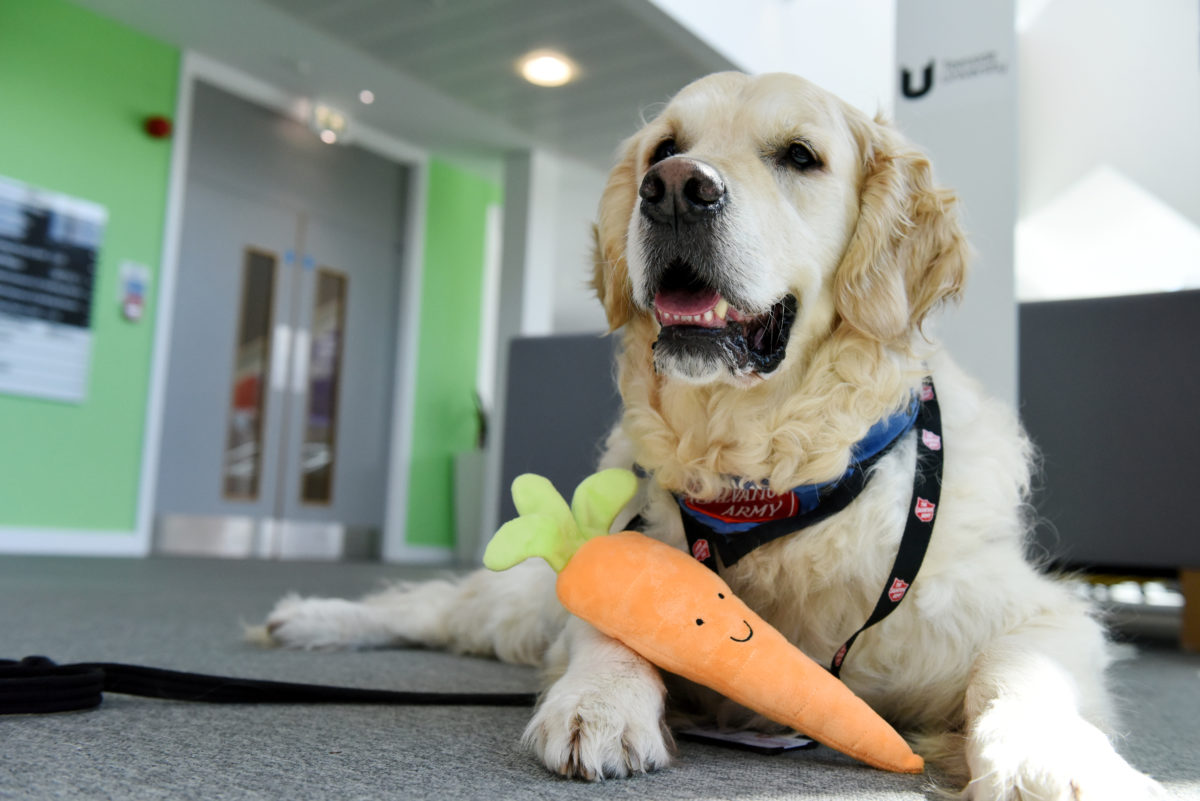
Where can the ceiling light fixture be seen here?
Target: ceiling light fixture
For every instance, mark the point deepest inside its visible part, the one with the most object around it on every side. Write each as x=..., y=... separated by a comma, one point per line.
x=547, y=68
x=328, y=123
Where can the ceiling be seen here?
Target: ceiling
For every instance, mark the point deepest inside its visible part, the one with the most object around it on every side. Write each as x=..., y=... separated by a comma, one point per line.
x=630, y=55
x=443, y=71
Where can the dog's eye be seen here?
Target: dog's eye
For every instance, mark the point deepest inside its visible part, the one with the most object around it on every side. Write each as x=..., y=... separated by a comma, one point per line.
x=666, y=148
x=801, y=157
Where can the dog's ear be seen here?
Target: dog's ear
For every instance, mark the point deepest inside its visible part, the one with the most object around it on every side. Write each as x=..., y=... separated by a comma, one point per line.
x=908, y=254
x=610, y=273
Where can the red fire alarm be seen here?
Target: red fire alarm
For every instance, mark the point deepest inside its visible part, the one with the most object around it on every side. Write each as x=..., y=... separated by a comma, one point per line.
x=158, y=127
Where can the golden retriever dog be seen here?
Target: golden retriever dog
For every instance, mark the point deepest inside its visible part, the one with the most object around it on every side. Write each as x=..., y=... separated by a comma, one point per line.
x=767, y=255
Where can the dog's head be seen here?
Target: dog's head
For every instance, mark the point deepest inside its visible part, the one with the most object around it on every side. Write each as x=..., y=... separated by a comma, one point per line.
x=755, y=216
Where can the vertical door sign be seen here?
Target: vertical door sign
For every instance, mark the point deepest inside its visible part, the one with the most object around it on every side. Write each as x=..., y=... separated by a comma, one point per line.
x=950, y=63
x=49, y=244
x=134, y=283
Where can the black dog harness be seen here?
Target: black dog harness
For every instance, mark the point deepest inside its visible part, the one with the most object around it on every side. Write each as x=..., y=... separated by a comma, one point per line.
x=751, y=515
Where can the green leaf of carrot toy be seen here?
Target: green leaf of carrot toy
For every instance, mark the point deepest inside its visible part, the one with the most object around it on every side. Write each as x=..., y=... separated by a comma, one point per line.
x=523, y=537
x=535, y=495
x=599, y=498
x=547, y=528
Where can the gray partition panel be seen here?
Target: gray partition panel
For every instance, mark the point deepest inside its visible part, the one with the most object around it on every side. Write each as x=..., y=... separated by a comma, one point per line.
x=1110, y=393
x=560, y=403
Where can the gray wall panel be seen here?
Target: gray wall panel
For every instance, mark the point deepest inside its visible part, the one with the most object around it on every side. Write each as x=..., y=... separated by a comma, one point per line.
x=1110, y=393
x=561, y=402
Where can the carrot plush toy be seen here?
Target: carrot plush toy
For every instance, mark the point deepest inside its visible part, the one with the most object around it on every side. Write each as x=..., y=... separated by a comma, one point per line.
x=681, y=616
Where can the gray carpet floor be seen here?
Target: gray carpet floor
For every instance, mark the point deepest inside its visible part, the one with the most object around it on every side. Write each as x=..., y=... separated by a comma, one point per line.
x=186, y=614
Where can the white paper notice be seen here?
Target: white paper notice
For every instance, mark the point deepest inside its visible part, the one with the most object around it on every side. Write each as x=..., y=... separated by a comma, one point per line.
x=49, y=244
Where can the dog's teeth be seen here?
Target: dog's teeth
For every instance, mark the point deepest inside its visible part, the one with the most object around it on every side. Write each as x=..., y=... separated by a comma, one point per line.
x=708, y=315
x=722, y=308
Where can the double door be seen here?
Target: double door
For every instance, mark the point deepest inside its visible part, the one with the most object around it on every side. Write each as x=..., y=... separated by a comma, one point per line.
x=279, y=391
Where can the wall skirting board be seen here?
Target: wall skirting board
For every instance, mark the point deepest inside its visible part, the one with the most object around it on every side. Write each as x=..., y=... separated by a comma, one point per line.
x=406, y=554
x=84, y=542
x=72, y=542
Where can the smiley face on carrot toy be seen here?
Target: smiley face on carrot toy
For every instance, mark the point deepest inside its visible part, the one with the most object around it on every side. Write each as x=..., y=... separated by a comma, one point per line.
x=682, y=617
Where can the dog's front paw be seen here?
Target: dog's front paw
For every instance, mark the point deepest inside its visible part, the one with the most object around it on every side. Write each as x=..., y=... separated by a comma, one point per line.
x=320, y=623
x=601, y=727
x=1071, y=763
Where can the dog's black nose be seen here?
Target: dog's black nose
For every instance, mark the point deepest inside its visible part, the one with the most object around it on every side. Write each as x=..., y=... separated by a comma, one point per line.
x=680, y=189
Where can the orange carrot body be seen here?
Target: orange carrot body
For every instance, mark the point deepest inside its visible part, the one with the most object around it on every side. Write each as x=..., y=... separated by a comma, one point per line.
x=682, y=617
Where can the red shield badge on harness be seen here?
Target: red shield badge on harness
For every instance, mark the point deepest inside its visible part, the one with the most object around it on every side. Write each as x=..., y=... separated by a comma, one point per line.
x=897, y=590
x=931, y=440
x=700, y=550
x=839, y=656
x=924, y=510
x=926, y=392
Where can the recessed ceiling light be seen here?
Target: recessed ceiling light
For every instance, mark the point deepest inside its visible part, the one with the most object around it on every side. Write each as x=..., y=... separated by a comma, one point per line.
x=328, y=123
x=547, y=68
x=366, y=96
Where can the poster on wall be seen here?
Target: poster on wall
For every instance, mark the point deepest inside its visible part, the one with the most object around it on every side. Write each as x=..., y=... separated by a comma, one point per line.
x=49, y=244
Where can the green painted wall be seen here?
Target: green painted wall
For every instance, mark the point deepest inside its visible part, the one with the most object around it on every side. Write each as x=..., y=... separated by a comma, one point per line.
x=80, y=86
x=74, y=89
x=444, y=421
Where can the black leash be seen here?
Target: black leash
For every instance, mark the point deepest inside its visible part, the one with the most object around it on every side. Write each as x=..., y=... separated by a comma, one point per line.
x=37, y=685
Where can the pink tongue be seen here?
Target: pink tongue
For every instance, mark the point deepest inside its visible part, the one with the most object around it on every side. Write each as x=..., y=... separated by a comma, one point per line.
x=680, y=301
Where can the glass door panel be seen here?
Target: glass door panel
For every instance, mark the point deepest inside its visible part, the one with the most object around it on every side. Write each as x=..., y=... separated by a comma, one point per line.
x=242, y=465
x=334, y=462
x=318, y=452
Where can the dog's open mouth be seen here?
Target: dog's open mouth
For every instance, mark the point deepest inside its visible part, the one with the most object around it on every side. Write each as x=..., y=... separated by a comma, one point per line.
x=700, y=327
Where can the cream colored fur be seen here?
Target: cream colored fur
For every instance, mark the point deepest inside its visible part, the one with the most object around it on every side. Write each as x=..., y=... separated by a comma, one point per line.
x=992, y=668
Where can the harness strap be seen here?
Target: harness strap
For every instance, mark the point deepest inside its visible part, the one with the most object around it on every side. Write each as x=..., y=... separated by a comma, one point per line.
x=37, y=685
x=922, y=510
